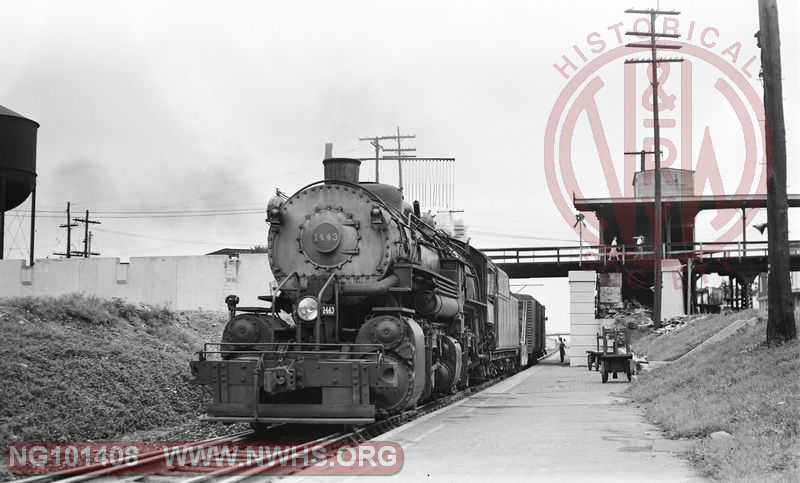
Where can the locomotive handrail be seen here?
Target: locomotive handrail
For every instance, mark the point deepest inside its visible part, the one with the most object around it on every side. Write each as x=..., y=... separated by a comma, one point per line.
x=262, y=344
x=289, y=277
x=257, y=375
x=358, y=356
x=318, y=322
x=367, y=349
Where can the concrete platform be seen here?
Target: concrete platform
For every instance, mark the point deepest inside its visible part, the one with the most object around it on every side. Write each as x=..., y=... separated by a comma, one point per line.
x=548, y=423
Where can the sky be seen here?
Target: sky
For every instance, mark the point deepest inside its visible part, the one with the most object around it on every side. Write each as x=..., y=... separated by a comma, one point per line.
x=173, y=122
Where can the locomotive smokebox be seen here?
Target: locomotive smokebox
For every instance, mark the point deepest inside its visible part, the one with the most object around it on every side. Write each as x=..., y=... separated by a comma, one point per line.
x=17, y=158
x=342, y=169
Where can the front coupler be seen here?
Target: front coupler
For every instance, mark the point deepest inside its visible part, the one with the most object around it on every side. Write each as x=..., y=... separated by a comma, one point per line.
x=290, y=382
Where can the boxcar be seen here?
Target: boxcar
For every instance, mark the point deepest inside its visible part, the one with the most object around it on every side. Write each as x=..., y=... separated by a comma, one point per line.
x=533, y=317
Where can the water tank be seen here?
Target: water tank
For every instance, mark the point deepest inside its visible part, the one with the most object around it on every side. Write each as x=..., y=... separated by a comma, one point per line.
x=17, y=156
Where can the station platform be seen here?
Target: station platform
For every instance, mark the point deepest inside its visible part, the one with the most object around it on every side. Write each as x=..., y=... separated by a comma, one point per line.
x=548, y=423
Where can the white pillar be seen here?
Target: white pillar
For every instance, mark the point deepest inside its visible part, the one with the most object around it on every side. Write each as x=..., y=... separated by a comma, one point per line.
x=583, y=325
x=672, y=289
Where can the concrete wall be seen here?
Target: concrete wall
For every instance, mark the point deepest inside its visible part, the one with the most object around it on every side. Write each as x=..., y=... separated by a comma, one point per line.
x=182, y=283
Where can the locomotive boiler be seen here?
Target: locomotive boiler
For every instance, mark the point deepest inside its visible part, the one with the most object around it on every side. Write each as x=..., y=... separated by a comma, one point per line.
x=374, y=311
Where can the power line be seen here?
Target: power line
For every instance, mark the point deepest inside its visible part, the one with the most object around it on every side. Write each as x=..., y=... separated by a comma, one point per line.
x=157, y=214
x=509, y=235
x=69, y=225
x=87, y=239
x=192, y=242
x=399, y=152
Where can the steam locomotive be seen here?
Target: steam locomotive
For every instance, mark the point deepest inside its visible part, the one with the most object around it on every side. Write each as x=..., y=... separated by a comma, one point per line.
x=374, y=311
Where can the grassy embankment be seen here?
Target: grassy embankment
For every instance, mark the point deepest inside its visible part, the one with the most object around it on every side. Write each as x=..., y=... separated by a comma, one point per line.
x=78, y=368
x=739, y=386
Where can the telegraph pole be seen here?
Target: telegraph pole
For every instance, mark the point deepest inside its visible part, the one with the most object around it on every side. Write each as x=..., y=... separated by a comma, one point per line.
x=654, y=61
x=2, y=215
x=33, y=222
x=72, y=223
x=400, y=152
x=780, y=323
x=69, y=225
x=87, y=235
x=641, y=153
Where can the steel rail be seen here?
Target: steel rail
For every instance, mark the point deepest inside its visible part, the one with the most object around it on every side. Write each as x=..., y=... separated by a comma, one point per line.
x=102, y=469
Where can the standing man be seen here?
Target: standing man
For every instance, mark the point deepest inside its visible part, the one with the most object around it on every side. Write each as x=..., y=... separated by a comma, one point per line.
x=639, y=244
x=613, y=252
x=562, y=348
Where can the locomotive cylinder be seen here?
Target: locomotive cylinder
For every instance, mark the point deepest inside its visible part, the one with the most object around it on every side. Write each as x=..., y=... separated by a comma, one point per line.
x=432, y=304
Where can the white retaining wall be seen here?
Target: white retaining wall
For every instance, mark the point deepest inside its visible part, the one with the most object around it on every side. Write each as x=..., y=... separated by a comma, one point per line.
x=181, y=283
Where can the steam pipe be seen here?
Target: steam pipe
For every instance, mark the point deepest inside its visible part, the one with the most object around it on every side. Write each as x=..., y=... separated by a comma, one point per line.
x=376, y=288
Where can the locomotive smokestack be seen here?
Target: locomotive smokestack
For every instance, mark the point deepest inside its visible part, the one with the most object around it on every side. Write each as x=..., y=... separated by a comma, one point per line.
x=342, y=169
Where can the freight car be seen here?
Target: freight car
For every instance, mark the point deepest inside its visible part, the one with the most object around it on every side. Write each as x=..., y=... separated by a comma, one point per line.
x=532, y=319
x=374, y=311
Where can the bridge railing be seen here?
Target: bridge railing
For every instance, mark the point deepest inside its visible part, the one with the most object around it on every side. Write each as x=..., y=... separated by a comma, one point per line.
x=568, y=254
x=719, y=250
x=602, y=253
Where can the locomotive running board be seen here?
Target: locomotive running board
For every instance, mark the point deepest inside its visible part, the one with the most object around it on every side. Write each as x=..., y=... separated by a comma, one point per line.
x=223, y=419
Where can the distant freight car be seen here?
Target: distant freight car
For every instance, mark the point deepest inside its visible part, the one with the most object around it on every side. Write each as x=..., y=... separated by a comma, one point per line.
x=533, y=318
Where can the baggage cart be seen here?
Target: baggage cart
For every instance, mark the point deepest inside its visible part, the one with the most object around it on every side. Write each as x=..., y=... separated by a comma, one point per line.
x=616, y=356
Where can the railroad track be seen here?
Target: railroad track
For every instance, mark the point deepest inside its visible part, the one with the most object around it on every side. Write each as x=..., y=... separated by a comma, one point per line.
x=145, y=460
x=241, y=465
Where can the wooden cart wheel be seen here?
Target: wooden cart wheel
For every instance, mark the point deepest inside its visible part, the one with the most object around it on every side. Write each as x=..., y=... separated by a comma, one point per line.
x=605, y=373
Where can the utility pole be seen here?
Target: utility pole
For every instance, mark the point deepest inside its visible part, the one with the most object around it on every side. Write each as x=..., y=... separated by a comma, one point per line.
x=3, y=188
x=642, y=153
x=87, y=235
x=69, y=225
x=780, y=323
x=400, y=156
x=580, y=224
x=33, y=223
x=654, y=61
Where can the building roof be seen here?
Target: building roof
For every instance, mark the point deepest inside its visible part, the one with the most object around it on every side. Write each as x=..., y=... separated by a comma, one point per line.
x=235, y=252
x=6, y=112
x=704, y=202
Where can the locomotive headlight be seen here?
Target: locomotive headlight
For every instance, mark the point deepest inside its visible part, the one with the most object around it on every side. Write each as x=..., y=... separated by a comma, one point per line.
x=307, y=309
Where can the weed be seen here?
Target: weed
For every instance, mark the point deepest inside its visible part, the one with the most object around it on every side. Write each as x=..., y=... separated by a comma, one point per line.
x=670, y=346
x=739, y=386
x=78, y=367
